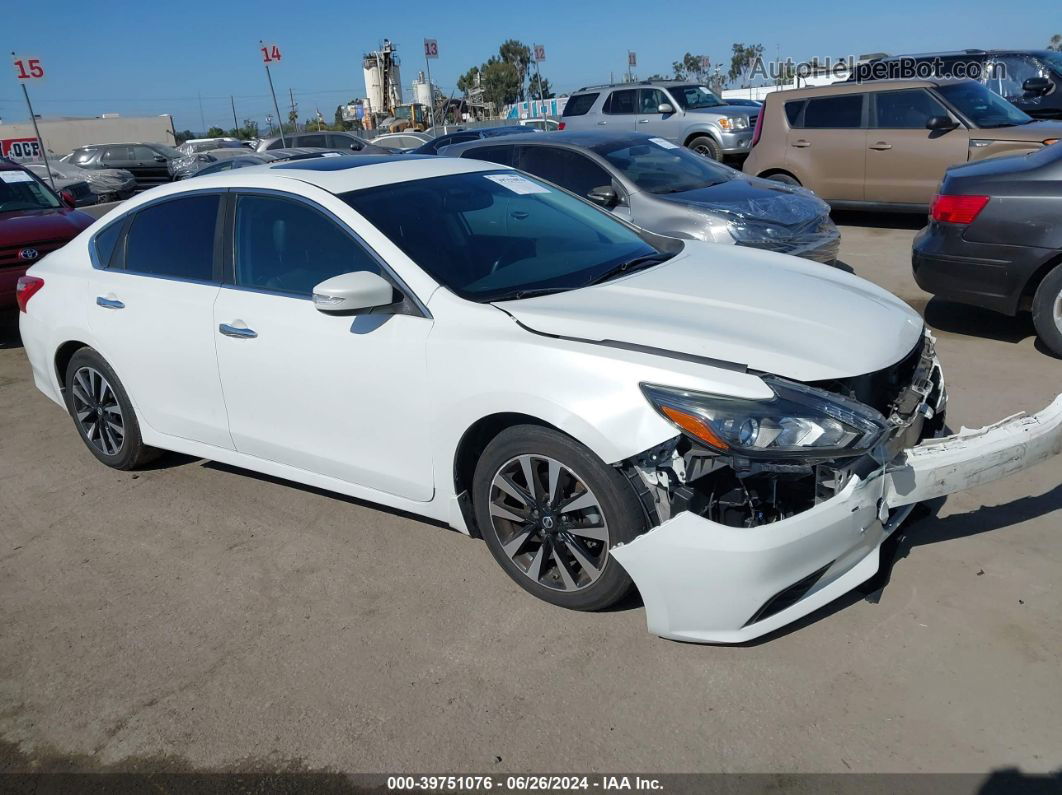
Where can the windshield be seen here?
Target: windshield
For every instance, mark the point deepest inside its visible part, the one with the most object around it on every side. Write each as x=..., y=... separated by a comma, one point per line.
x=658, y=166
x=981, y=106
x=20, y=191
x=499, y=235
x=1053, y=61
x=694, y=97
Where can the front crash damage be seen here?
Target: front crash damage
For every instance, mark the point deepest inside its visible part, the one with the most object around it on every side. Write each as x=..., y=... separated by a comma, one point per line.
x=742, y=549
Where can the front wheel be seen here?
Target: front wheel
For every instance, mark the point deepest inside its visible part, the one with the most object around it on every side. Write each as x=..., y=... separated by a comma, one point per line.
x=706, y=145
x=550, y=511
x=785, y=179
x=1047, y=311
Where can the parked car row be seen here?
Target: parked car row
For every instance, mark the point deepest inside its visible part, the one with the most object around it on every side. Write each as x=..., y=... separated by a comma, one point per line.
x=733, y=431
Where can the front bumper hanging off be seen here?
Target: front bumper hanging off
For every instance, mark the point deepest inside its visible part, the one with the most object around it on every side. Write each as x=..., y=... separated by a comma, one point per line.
x=712, y=583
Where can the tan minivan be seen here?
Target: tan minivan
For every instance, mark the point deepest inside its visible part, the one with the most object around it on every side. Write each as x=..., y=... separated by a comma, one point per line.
x=886, y=143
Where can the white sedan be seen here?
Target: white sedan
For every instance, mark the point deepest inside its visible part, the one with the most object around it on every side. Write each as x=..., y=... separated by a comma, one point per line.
x=731, y=431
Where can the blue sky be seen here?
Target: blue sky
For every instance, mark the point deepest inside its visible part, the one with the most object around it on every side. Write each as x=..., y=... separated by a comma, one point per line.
x=151, y=58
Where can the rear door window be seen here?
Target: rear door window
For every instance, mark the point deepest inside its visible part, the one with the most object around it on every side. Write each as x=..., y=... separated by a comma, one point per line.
x=792, y=111
x=650, y=99
x=622, y=102
x=503, y=155
x=839, y=112
x=579, y=105
x=174, y=238
x=317, y=139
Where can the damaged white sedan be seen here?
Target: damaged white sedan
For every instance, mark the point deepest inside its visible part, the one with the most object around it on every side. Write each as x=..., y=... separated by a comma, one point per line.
x=733, y=432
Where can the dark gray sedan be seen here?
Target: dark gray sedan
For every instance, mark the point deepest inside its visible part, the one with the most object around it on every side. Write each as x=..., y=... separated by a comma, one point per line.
x=994, y=239
x=667, y=189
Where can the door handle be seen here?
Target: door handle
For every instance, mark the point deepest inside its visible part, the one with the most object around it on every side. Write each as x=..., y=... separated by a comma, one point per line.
x=801, y=143
x=237, y=331
x=881, y=146
x=602, y=123
x=109, y=303
x=643, y=121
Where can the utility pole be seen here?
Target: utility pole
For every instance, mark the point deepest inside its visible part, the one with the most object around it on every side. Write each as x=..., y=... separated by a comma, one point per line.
x=235, y=124
x=293, y=116
x=40, y=141
x=269, y=121
x=202, y=118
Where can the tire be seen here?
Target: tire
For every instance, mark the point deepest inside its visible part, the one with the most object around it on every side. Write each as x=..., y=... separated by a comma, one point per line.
x=705, y=145
x=568, y=549
x=785, y=179
x=93, y=392
x=1047, y=311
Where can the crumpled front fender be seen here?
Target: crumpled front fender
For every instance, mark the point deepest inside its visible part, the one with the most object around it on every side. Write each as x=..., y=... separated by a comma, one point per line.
x=706, y=582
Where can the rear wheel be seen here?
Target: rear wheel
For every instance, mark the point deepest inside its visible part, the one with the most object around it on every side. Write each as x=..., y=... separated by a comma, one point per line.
x=705, y=145
x=102, y=412
x=550, y=511
x=1047, y=311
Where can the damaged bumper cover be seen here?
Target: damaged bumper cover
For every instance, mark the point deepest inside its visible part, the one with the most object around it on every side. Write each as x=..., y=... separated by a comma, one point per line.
x=712, y=583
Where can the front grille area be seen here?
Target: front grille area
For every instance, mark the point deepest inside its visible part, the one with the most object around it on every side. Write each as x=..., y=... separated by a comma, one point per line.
x=882, y=388
x=9, y=254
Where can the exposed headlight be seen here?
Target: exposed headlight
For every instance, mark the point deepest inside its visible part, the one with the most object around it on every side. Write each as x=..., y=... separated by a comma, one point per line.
x=734, y=122
x=798, y=421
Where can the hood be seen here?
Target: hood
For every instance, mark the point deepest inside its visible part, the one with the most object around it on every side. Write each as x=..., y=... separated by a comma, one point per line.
x=741, y=199
x=729, y=110
x=38, y=226
x=770, y=312
x=1033, y=131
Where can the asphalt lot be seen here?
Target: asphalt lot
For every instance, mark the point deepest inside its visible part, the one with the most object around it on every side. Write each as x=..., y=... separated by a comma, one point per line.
x=194, y=616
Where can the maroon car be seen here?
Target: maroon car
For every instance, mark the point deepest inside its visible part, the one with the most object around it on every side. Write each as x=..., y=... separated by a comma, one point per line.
x=33, y=222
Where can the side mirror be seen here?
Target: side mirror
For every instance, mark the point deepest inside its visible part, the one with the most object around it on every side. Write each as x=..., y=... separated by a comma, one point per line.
x=68, y=198
x=1036, y=86
x=665, y=107
x=353, y=292
x=941, y=123
x=603, y=196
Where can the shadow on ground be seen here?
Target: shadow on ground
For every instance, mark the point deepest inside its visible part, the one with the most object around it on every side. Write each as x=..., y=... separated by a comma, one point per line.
x=9, y=336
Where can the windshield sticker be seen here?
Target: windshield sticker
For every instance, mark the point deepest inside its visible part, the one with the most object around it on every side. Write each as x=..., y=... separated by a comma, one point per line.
x=516, y=183
x=664, y=143
x=15, y=176
x=331, y=154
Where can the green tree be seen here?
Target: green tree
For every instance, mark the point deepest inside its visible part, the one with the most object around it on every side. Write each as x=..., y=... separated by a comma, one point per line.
x=517, y=54
x=1055, y=43
x=743, y=58
x=184, y=135
x=533, y=86
x=500, y=82
x=215, y=132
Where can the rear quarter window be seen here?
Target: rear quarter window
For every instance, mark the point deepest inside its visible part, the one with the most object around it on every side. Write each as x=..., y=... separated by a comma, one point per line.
x=174, y=238
x=792, y=111
x=580, y=104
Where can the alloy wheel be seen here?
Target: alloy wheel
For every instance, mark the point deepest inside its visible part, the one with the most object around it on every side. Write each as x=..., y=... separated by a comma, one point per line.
x=97, y=411
x=1056, y=311
x=549, y=523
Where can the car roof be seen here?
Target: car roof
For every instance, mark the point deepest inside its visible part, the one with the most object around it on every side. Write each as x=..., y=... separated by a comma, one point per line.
x=333, y=174
x=961, y=53
x=586, y=139
x=849, y=87
x=642, y=84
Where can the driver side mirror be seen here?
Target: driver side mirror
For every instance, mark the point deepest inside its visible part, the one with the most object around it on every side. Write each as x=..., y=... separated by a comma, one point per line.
x=665, y=107
x=353, y=292
x=68, y=199
x=604, y=196
x=941, y=123
x=1036, y=86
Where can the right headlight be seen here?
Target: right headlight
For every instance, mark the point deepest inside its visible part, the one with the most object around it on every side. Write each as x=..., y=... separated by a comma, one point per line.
x=799, y=421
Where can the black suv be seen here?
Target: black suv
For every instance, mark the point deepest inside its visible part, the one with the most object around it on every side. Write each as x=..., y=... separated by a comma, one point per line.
x=148, y=163
x=1029, y=79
